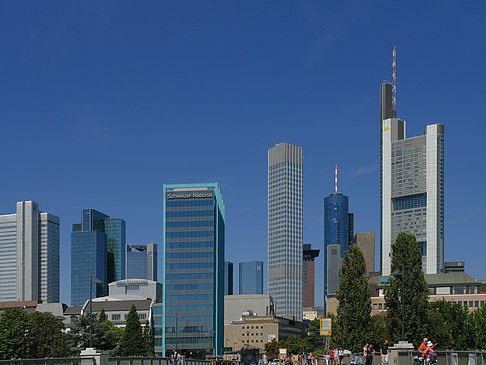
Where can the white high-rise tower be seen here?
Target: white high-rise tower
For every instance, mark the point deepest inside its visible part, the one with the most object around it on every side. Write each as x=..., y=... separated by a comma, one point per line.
x=285, y=164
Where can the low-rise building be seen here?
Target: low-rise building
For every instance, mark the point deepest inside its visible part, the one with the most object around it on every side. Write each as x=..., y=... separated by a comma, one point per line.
x=237, y=306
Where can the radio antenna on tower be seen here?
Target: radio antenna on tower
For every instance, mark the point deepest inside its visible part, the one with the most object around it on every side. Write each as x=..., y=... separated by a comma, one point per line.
x=394, y=82
x=335, y=180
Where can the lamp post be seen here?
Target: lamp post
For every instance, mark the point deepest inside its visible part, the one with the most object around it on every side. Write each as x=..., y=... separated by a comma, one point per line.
x=402, y=297
x=177, y=315
x=91, y=281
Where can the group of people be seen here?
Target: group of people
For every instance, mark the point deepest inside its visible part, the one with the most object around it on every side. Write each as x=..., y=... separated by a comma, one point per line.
x=335, y=356
x=426, y=349
x=175, y=358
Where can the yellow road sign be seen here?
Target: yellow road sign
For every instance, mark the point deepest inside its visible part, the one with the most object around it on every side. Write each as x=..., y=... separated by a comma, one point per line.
x=325, y=326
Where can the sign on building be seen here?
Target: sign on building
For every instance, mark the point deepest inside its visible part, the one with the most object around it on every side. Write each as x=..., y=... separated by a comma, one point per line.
x=282, y=354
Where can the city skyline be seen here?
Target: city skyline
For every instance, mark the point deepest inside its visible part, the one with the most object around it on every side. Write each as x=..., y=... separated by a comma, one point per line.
x=163, y=94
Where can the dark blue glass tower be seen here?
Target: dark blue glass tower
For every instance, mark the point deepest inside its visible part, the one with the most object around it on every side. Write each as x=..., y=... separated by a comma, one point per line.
x=251, y=277
x=97, y=251
x=228, y=278
x=193, y=271
x=336, y=227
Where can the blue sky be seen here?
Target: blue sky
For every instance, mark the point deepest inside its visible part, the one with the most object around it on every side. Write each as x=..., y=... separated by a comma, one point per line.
x=102, y=102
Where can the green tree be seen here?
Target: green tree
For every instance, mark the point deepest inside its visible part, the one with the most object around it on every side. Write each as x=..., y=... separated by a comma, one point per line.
x=13, y=329
x=353, y=322
x=271, y=349
x=448, y=325
x=45, y=336
x=105, y=335
x=380, y=329
x=131, y=343
x=148, y=340
x=102, y=315
x=314, y=340
x=477, y=329
x=407, y=265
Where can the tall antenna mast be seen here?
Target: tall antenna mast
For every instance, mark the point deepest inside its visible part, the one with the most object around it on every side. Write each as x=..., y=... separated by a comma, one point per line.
x=335, y=180
x=394, y=82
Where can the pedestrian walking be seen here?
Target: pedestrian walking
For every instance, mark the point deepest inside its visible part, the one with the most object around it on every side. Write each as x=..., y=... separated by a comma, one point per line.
x=384, y=353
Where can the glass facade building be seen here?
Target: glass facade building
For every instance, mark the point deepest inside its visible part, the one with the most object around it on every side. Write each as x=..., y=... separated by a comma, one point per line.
x=97, y=251
x=193, y=270
x=336, y=232
x=228, y=278
x=285, y=229
x=251, y=277
x=29, y=251
x=412, y=188
x=141, y=261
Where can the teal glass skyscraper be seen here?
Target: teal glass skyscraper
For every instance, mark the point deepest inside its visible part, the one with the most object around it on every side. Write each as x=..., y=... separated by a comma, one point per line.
x=97, y=251
x=193, y=271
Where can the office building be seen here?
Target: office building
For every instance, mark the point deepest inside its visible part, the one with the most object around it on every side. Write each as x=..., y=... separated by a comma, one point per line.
x=308, y=275
x=285, y=172
x=454, y=266
x=333, y=270
x=238, y=306
x=251, y=277
x=97, y=253
x=366, y=243
x=141, y=261
x=29, y=251
x=228, y=278
x=412, y=186
x=193, y=270
x=338, y=229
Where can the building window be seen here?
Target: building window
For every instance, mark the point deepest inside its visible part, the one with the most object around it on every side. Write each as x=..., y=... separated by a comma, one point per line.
x=476, y=303
x=115, y=317
x=470, y=303
x=142, y=316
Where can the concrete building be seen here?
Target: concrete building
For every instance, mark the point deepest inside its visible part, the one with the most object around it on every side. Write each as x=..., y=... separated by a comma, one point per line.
x=366, y=243
x=228, y=278
x=454, y=266
x=333, y=269
x=412, y=186
x=237, y=306
x=29, y=251
x=141, y=261
x=250, y=277
x=308, y=275
x=193, y=270
x=285, y=191
x=97, y=252
x=251, y=333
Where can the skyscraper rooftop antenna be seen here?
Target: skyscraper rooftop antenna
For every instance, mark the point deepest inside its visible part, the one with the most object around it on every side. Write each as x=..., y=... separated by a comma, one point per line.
x=394, y=82
x=335, y=180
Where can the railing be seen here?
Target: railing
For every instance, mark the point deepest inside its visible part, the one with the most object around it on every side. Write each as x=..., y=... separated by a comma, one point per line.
x=449, y=357
x=152, y=361
x=51, y=361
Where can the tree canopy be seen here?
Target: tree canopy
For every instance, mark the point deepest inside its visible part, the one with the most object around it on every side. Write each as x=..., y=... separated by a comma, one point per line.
x=13, y=330
x=132, y=343
x=353, y=322
x=408, y=276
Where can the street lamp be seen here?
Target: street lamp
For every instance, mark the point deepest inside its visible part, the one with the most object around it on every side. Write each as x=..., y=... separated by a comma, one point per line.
x=402, y=297
x=91, y=281
x=177, y=315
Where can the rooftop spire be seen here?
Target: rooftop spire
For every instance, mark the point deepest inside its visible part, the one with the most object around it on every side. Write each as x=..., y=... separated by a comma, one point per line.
x=335, y=180
x=394, y=82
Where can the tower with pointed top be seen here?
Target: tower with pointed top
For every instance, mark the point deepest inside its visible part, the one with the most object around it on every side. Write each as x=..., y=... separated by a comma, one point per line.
x=337, y=226
x=411, y=184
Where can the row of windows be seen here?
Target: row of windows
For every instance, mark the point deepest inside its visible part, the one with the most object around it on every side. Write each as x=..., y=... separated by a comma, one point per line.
x=189, y=234
x=117, y=317
x=209, y=223
x=183, y=340
x=189, y=276
x=192, y=298
x=200, y=286
x=186, y=319
x=189, y=308
x=189, y=265
x=189, y=213
x=190, y=203
x=185, y=244
x=189, y=255
x=184, y=329
x=410, y=202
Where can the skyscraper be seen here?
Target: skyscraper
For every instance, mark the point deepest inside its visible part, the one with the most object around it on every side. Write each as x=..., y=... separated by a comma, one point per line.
x=141, y=261
x=193, y=269
x=337, y=231
x=366, y=243
x=412, y=186
x=251, y=277
x=228, y=278
x=285, y=171
x=97, y=251
x=308, y=275
x=29, y=251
